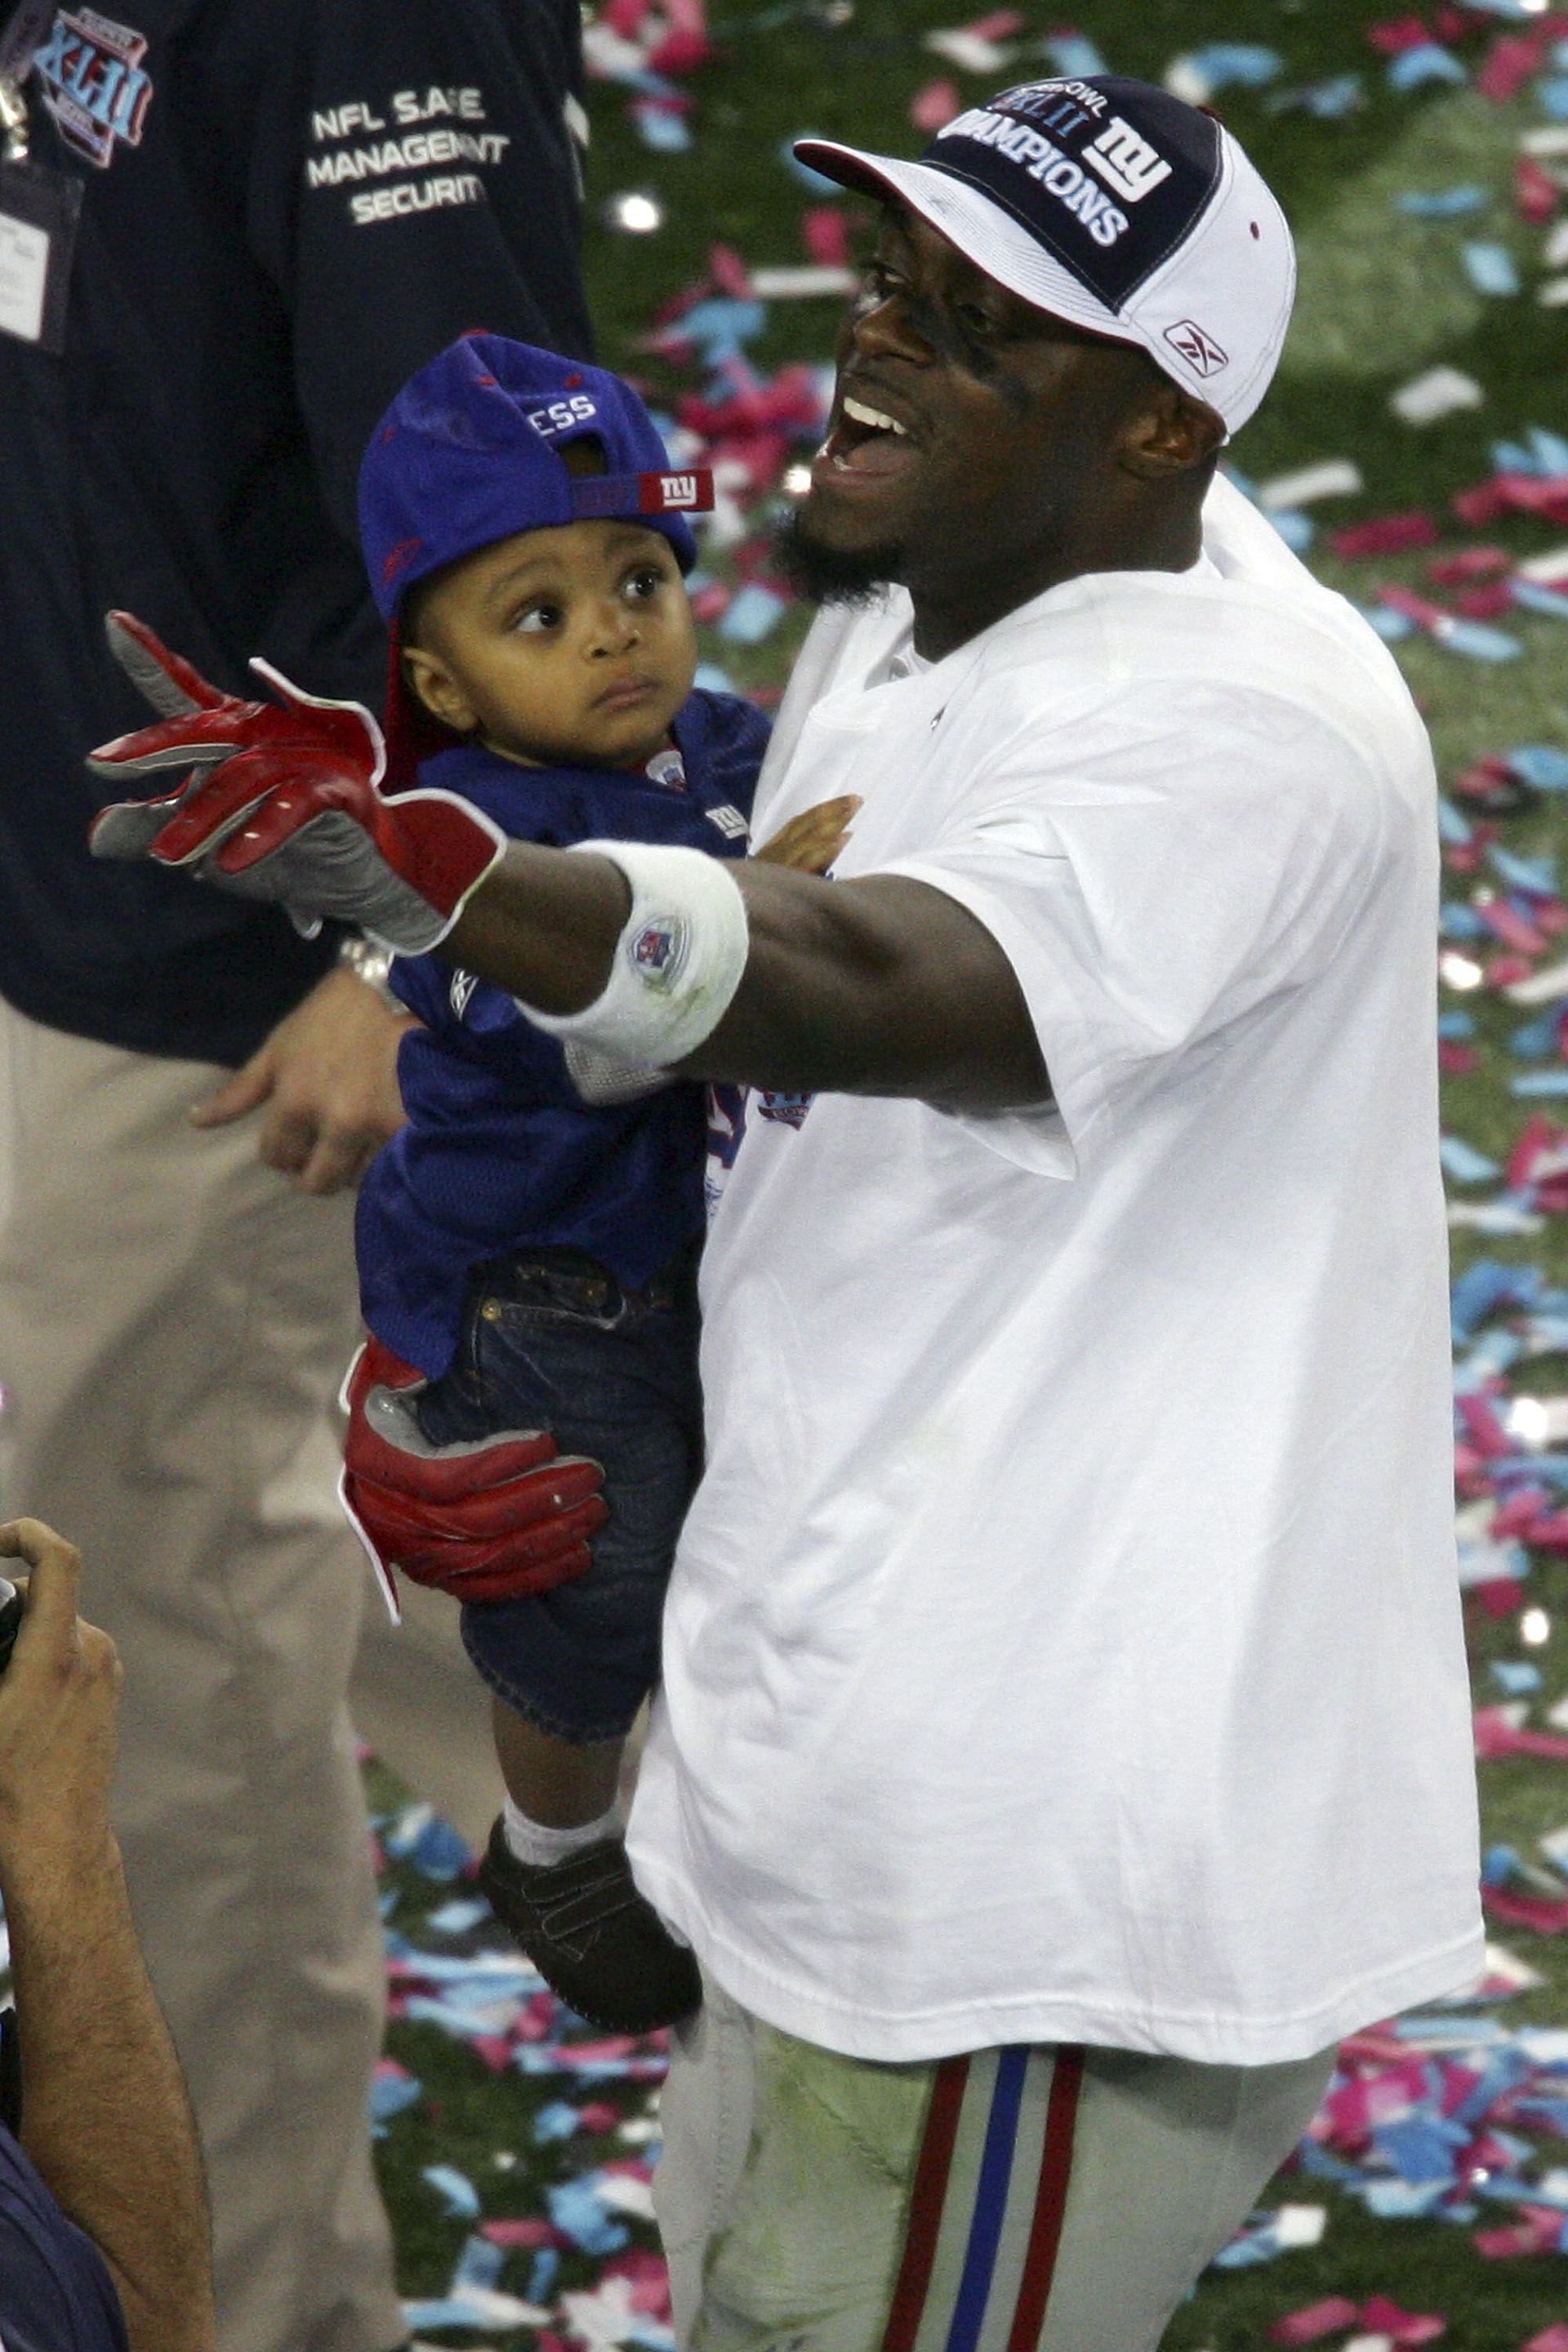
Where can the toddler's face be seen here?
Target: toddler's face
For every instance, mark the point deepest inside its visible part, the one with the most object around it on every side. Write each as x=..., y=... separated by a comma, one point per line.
x=572, y=647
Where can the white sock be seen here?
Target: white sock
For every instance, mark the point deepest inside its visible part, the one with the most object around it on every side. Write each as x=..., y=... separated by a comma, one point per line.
x=532, y=1841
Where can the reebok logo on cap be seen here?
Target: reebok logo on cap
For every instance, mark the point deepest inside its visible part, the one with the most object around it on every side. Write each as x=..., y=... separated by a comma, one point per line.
x=1199, y=351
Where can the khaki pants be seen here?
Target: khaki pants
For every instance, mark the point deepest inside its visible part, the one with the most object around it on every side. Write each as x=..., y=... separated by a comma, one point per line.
x=1013, y=2201
x=174, y=1324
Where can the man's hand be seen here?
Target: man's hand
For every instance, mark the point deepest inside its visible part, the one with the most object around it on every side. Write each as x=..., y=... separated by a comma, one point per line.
x=58, y=1699
x=281, y=801
x=327, y=1076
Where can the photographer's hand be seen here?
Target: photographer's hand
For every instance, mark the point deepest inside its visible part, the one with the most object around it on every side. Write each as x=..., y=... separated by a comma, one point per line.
x=104, y=2112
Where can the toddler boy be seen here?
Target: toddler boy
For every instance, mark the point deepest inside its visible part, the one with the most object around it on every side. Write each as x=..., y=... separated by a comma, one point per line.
x=528, y=1243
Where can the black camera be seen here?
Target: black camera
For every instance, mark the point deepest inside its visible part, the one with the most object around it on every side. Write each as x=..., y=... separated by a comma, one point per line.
x=11, y=1607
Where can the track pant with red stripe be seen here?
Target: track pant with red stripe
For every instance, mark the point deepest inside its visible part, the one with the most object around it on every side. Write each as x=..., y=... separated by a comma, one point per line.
x=1023, y=2199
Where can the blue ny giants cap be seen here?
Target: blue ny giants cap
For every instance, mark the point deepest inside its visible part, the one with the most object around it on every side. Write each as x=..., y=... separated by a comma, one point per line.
x=1111, y=203
x=469, y=452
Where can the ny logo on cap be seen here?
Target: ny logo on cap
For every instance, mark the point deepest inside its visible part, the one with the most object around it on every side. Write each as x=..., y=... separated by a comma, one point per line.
x=1126, y=161
x=1201, y=352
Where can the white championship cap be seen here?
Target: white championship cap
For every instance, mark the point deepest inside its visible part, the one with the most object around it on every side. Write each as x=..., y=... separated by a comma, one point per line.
x=1111, y=203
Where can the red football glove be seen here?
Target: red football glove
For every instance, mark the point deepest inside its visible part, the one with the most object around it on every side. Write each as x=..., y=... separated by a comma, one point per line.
x=485, y=1520
x=280, y=803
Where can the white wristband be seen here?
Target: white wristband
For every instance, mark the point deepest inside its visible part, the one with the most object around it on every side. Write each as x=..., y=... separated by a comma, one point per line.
x=677, y=963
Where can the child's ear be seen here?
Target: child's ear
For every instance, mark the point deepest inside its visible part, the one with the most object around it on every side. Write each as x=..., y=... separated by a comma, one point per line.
x=427, y=678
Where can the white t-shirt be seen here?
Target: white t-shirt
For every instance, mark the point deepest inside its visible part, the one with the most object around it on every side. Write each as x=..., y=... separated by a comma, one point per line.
x=1064, y=1644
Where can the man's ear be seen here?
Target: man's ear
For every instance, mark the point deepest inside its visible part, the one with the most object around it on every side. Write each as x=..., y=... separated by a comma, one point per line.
x=427, y=678
x=1168, y=433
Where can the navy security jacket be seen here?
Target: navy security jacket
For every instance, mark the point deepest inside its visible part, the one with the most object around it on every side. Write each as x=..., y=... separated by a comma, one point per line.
x=500, y=1154
x=56, y=2294
x=289, y=205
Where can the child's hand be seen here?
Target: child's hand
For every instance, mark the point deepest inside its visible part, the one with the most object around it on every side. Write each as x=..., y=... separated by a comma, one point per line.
x=811, y=841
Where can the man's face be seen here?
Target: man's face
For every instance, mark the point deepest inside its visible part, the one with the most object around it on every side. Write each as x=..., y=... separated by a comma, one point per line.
x=968, y=430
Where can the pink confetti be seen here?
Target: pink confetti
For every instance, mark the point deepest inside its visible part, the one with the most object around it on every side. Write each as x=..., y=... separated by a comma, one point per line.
x=1551, y=2339
x=1315, y=2320
x=1495, y=1735
x=1470, y=564
x=1536, y=196
x=1511, y=61
x=825, y=233
x=1487, y=603
x=523, y=2233
x=1000, y=26
x=1536, y=1912
x=1536, y=2233
x=1398, y=33
x=1498, y=1597
x=934, y=106
x=730, y=273
x=1386, y=2318
x=1385, y=535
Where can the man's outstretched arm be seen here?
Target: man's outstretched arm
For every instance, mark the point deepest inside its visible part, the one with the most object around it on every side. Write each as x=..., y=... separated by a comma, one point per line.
x=105, y=2116
x=881, y=986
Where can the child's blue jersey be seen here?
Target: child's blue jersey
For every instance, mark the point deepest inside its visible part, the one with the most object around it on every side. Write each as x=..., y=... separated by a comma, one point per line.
x=501, y=1153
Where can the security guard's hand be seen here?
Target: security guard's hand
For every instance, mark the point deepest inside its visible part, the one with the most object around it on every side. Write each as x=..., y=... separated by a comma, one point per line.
x=328, y=1078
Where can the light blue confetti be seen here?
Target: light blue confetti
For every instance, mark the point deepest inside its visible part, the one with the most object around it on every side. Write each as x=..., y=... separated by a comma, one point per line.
x=1541, y=765
x=1242, y=64
x=554, y=2121
x=1540, y=1082
x=815, y=180
x=457, y=1919
x=752, y=614
x=663, y=127
x=1537, y=1038
x=577, y=2212
x=1075, y=55
x=1390, y=626
x=391, y=2094
x=1443, y=203
x=455, y=2189
x=1537, y=877
x=1551, y=97
x=1476, y=641
x=1412, y=68
x=1296, y=529
x=1514, y=1679
x=479, y=2264
x=1536, y=598
x=1490, y=269
x=1464, y=1163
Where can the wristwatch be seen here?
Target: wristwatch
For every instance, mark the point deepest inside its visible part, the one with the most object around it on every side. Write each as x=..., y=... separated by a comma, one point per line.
x=372, y=964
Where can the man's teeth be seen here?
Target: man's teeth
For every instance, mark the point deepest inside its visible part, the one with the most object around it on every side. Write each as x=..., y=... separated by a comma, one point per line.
x=856, y=411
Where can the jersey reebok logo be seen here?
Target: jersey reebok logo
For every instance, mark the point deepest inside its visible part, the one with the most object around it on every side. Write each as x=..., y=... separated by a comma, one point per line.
x=93, y=83
x=1199, y=351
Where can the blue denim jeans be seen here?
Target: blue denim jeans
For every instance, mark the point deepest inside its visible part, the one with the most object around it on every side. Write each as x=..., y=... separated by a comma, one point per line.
x=551, y=1341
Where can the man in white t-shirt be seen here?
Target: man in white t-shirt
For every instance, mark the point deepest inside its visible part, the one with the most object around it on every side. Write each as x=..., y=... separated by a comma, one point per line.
x=1065, y=1730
